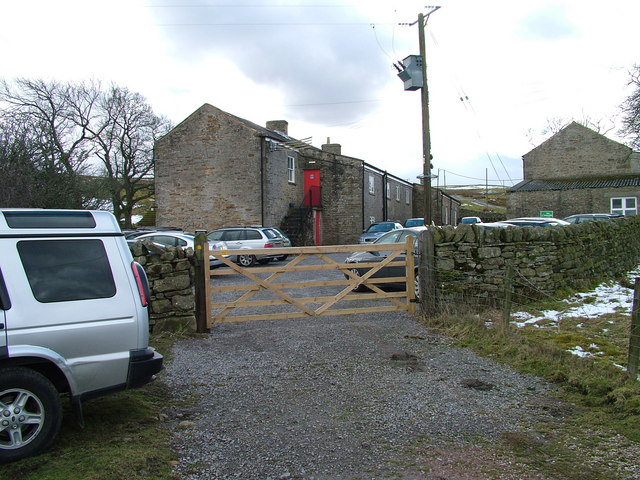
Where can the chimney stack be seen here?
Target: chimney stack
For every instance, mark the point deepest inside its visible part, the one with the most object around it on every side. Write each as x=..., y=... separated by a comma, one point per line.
x=334, y=148
x=281, y=126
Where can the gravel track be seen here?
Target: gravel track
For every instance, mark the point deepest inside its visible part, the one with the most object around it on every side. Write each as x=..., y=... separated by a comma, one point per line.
x=350, y=397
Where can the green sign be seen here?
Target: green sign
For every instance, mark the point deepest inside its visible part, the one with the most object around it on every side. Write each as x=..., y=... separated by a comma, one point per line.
x=546, y=213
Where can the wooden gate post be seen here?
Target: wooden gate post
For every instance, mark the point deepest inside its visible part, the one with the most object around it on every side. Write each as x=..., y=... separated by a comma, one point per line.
x=427, y=273
x=201, y=267
x=634, y=337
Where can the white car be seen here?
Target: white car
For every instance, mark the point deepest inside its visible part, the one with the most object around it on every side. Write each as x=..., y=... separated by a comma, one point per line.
x=181, y=239
x=243, y=238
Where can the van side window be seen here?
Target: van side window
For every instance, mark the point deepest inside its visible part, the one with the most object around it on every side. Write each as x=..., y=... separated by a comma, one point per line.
x=5, y=302
x=66, y=270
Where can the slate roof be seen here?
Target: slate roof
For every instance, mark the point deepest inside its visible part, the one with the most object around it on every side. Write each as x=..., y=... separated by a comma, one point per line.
x=576, y=183
x=265, y=131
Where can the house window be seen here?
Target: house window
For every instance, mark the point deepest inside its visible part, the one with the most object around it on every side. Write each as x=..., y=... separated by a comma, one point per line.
x=624, y=206
x=397, y=193
x=372, y=220
x=291, y=169
x=407, y=197
x=388, y=191
x=372, y=185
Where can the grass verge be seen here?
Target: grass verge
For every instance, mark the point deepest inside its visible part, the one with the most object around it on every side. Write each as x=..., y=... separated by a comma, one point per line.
x=123, y=439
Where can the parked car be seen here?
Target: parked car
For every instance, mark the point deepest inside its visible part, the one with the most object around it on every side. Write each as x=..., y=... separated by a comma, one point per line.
x=535, y=222
x=74, y=320
x=180, y=239
x=591, y=217
x=286, y=242
x=413, y=222
x=470, y=220
x=376, y=230
x=244, y=238
x=394, y=236
x=132, y=234
x=494, y=225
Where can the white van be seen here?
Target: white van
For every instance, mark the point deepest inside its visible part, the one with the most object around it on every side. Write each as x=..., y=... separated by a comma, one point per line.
x=73, y=319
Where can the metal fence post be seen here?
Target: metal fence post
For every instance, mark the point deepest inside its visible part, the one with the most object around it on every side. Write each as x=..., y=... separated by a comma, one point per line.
x=508, y=289
x=634, y=337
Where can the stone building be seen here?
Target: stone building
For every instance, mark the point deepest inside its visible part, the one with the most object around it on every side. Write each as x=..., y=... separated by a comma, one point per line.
x=577, y=171
x=216, y=170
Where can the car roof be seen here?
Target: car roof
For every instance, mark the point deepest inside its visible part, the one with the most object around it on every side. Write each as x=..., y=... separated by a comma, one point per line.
x=169, y=234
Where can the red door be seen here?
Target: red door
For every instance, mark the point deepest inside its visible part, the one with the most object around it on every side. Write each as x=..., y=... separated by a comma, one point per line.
x=312, y=188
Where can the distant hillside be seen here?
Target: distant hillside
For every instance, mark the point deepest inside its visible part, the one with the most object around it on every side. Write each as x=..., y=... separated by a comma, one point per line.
x=488, y=203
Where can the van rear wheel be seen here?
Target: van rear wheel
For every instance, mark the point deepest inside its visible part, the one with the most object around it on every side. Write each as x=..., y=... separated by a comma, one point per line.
x=30, y=413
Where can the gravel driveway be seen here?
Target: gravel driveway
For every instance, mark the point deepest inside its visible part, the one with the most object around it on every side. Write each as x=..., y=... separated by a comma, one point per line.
x=350, y=397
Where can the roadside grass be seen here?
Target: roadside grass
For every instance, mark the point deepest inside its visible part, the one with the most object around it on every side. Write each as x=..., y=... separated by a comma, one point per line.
x=594, y=381
x=603, y=414
x=123, y=438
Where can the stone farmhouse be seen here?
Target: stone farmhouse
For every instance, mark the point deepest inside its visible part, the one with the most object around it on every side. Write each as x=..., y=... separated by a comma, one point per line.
x=577, y=171
x=215, y=170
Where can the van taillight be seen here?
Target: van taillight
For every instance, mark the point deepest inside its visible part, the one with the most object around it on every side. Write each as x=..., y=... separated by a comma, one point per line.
x=268, y=245
x=141, y=282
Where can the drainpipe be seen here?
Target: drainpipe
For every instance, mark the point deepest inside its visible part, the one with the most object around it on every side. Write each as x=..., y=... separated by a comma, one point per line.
x=385, y=182
x=363, y=191
x=262, y=155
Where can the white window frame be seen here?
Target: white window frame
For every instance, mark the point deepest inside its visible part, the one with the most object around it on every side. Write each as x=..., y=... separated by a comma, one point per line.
x=628, y=205
x=407, y=197
x=388, y=191
x=372, y=185
x=397, y=193
x=291, y=169
x=372, y=220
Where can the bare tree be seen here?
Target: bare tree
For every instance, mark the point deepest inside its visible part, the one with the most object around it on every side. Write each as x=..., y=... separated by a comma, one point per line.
x=20, y=179
x=555, y=124
x=124, y=137
x=631, y=110
x=87, y=148
x=58, y=137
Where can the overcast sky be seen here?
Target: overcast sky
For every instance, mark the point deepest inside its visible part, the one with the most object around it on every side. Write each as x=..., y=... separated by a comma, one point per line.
x=326, y=66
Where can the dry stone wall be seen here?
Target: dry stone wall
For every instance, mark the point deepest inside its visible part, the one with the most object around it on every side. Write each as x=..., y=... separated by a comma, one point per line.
x=171, y=281
x=471, y=261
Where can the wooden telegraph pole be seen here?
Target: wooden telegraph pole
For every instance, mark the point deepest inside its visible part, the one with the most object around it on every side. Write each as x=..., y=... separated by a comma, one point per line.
x=426, y=135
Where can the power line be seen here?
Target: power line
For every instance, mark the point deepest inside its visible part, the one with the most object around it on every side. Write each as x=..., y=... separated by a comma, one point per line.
x=479, y=179
x=270, y=24
x=331, y=103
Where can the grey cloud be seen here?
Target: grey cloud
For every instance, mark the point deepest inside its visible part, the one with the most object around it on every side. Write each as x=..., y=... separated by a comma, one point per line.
x=315, y=56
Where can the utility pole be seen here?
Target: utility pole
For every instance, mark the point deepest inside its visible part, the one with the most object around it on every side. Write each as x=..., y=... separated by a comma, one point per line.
x=426, y=135
x=413, y=72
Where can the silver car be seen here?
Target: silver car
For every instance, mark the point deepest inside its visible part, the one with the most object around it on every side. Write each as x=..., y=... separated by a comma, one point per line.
x=183, y=240
x=376, y=230
x=394, y=236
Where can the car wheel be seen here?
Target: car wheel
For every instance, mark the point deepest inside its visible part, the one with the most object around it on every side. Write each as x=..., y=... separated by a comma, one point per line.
x=30, y=413
x=282, y=258
x=359, y=288
x=247, y=260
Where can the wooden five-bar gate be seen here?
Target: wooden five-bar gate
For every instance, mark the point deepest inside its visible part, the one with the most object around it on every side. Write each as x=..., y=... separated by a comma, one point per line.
x=282, y=289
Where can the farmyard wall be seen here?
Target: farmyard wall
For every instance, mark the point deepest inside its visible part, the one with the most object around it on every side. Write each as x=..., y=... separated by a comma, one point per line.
x=170, y=275
x=471, y=261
